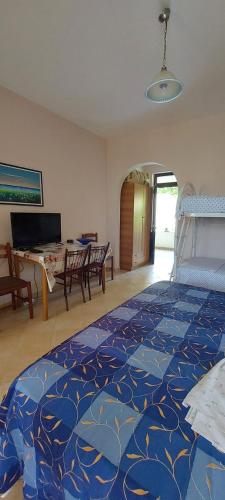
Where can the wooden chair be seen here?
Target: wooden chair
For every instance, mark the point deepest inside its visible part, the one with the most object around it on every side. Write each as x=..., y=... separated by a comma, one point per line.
x=11, y=284
x=96, y=265
x=109, y=258
x=92, y=236
x=74, y=270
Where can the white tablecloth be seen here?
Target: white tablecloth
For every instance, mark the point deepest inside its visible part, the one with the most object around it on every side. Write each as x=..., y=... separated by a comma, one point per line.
x=52, y=258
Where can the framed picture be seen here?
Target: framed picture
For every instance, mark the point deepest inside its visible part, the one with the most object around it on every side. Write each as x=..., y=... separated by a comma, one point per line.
x=20, y=186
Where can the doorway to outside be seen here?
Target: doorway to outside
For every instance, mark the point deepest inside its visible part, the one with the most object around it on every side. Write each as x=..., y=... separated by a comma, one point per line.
x=165, y=192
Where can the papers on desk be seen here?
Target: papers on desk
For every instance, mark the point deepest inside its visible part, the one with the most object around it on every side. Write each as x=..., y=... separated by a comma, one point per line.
x=207, y=406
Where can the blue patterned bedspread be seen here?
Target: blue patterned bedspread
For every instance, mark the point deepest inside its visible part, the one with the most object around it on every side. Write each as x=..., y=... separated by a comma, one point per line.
x=101, y=415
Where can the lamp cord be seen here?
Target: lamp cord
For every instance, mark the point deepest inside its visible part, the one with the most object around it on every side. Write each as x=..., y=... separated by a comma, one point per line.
x=165, y=46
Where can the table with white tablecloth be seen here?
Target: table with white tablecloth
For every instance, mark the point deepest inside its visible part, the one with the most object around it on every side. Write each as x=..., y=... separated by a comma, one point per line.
x=51, y=260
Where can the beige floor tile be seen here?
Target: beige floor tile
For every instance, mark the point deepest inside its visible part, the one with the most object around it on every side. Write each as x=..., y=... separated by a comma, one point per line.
x=16, y=492
x=3, y=389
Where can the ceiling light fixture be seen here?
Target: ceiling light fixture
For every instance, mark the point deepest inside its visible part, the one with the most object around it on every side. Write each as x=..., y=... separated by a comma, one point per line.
x=165, y=86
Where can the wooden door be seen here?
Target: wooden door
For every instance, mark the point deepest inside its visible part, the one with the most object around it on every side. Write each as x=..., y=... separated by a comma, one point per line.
x=144, y=218
x=134, y=225
x=147, y=222
x=138, y=224
x=141, y=224
x=126, y=226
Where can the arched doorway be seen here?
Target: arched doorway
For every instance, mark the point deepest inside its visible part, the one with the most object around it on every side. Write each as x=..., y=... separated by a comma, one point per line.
x=142, y=232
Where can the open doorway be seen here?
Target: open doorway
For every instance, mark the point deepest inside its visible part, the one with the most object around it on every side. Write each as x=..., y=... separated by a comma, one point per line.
x=165, y=192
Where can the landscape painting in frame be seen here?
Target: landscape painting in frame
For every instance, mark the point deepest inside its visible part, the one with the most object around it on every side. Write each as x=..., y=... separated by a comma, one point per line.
x=20, y=186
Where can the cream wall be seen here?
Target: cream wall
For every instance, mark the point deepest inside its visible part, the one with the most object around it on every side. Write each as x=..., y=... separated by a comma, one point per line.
x=194, y=151
x=72, y=161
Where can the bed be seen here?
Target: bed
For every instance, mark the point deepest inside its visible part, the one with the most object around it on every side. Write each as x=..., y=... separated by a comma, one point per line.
x=202, y=204
x=101, y=415
x=199, y=225
x=202, y=271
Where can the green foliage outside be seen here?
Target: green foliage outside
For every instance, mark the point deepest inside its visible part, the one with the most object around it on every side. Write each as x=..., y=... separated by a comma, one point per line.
x=173, y=191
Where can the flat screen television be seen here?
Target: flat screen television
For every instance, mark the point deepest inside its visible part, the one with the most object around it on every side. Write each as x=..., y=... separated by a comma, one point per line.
x=32, y=229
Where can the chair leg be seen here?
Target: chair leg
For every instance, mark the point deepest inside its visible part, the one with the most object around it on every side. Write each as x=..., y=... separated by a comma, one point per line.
x=103, y=278
x=112, y=267
x=65, y=295
x=82, y=289
x=13, y=300
x=29, y=293
x=89, y=288
x=71, y=283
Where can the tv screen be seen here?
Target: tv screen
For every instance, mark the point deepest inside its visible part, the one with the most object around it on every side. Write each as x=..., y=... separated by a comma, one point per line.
x=31, y=229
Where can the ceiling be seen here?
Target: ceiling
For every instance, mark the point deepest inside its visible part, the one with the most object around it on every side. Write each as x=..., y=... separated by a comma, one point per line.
x=90, y=60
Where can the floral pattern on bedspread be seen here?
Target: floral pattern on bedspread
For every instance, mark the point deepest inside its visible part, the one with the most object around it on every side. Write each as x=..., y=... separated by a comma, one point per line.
x=101, y=415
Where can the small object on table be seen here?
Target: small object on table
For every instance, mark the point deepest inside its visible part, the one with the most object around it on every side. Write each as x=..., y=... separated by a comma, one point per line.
x=84, y=241
x=36, y=250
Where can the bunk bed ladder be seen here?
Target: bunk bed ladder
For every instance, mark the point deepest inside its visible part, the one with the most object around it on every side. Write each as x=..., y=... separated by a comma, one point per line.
x=182, y=229
x=180, y=243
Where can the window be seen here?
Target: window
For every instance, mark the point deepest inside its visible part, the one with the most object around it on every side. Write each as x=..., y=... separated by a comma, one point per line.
x=165, y=178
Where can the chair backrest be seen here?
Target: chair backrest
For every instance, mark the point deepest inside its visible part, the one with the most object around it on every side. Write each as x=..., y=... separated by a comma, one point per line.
x=92, y=236
x=75, y=259
x=98, y=254
x=5, y=253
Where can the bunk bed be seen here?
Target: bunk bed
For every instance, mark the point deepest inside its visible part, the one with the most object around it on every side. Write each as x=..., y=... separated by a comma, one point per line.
x=190, y=267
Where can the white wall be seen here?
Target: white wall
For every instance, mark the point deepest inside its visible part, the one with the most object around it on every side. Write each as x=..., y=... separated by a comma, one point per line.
x=164, y=239
x=194, y=151
x=165, y=219
x=72, y=161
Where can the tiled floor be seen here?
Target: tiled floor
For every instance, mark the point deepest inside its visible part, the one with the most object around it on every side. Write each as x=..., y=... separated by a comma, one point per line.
x=22, y=341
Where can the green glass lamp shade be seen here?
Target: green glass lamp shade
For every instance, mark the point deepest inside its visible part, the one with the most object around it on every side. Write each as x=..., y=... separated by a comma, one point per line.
x=164, y=88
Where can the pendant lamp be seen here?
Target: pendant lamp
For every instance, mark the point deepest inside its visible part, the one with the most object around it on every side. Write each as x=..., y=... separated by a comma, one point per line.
x=165, y=87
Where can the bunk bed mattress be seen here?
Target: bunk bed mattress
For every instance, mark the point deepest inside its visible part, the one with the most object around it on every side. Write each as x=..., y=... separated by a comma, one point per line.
x=101, y=415
x=202, y=204
x=203, y=272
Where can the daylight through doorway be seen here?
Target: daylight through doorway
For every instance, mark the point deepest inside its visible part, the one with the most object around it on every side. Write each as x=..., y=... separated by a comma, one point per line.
x=164, y=210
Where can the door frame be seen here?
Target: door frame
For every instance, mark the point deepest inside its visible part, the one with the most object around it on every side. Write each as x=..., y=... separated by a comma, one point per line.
x=157, y=185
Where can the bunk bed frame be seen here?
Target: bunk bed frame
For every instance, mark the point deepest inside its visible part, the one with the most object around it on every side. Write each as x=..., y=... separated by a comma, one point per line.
x=197, y=271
